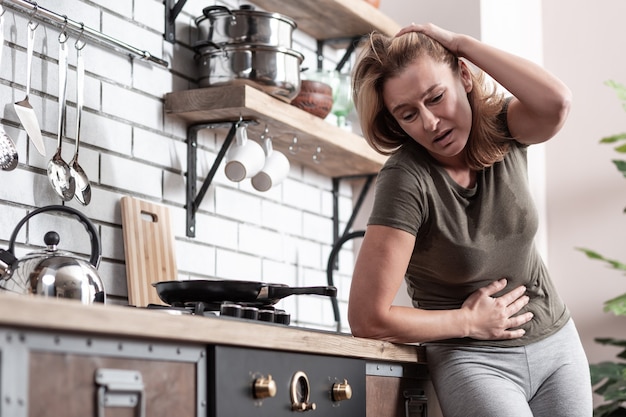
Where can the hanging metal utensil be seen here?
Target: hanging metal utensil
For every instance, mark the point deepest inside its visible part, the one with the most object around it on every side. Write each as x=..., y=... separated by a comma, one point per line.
x=8, y=152
x=83, y=188
x=59, y=173
x=24, y=110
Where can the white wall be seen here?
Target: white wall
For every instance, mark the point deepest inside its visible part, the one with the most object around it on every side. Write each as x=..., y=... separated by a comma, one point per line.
x=130, y=147
x=585, y=193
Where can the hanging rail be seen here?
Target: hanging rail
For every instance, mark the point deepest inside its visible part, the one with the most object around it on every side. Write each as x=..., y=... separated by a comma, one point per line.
x=79, y=29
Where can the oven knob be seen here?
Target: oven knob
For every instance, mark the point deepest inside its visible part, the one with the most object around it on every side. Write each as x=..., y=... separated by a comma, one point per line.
x=301, y=393
x=342, y=391
x=264, y=387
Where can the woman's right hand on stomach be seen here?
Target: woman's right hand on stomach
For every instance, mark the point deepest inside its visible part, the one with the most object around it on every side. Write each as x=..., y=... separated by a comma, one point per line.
x=494, y=318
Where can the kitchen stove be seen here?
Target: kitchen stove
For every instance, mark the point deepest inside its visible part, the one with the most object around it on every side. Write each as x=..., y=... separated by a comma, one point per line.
x=275, y=382
x=248, y=381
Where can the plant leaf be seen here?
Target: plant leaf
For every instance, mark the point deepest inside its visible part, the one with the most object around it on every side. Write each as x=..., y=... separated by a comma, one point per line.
x=620, y=90
x=612, y=409
x=606, y=370
x=611, y=341
x=616, y=391
x=613, y=138
x=616, y=305
x=621, y=166
x=595, y=255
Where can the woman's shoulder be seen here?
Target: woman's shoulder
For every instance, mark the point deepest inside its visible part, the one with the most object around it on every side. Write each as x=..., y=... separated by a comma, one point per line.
x=411, y=158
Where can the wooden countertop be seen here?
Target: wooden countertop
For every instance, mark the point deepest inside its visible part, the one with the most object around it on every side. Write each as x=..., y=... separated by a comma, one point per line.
x=58, y=315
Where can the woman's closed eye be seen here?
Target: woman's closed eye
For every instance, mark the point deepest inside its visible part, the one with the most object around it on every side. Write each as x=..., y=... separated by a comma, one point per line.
x=407, y=116
x=437, y=98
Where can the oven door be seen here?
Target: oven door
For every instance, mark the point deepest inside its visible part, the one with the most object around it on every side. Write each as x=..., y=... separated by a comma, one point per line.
x=257, y=382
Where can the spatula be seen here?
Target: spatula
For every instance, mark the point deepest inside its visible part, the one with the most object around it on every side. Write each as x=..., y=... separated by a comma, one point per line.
x=24, y=110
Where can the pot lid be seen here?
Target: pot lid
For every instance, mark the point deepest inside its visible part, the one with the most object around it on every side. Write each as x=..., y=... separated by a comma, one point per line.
x=214, y=12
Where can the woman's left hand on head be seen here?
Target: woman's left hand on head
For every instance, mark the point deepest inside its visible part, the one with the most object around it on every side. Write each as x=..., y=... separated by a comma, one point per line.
x=445, y=37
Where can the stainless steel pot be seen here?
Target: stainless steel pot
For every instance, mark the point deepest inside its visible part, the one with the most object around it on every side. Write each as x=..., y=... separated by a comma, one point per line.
x=273, y=70
x=53, y=273
x=222, y=26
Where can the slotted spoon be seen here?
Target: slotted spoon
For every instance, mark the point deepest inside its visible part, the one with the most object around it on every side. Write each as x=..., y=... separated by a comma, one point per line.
x=8, y=152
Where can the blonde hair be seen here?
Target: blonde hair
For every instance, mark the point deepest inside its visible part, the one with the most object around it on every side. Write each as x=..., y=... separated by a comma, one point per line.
x=384, y=57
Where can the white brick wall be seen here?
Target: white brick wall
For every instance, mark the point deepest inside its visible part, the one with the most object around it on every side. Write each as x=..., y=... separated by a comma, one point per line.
x=129, y=147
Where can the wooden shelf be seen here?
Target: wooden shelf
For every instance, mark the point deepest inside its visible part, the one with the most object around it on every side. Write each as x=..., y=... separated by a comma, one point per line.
x=344, y=153
x=332, y=19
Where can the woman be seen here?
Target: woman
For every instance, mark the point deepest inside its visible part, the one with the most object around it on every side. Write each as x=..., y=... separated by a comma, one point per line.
x=453, y=216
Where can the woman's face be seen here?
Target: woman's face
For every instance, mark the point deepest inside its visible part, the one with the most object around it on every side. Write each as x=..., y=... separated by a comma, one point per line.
x=430, y=103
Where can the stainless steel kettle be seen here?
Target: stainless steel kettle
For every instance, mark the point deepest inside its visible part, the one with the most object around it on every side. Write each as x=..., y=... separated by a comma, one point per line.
x=50, y=272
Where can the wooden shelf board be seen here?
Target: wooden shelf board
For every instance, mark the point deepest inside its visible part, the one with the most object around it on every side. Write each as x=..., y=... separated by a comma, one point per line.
x=333, y=19
x=344, y=153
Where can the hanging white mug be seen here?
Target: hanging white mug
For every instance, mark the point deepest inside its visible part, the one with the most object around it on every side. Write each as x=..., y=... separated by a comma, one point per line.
x=245, y=158
x=274, y=170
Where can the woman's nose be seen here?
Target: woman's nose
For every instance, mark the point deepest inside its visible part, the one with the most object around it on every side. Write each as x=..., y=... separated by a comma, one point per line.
x=430, y=121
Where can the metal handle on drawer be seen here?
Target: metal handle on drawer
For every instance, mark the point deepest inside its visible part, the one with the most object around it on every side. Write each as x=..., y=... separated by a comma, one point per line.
x=415, y=403
x=120, y=388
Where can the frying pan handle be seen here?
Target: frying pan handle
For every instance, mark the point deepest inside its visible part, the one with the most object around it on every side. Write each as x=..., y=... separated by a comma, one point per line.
x=281, y=292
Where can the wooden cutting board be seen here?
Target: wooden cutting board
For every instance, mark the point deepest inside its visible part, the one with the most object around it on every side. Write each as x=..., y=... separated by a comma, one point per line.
x=149, y=248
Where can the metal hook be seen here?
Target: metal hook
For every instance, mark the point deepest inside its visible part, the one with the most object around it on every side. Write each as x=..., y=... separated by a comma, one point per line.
x=63, y=37
x=80, y=43
x=240, y=121
x=31, y=16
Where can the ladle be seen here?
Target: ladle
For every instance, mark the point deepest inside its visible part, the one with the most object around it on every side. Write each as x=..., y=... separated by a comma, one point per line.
x=8, y=152
x=83, y=188
x=59, y=173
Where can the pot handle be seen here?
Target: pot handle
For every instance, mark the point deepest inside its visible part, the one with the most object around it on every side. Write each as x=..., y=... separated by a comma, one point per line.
x=215, y=9
x=96, y=249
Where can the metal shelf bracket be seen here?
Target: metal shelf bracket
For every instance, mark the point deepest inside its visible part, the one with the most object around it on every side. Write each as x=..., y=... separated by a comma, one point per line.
x=352, y=44
x=193, y=200
x=172, y=9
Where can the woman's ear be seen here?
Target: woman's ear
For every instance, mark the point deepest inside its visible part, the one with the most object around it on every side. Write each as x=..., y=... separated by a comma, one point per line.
x=466, y=76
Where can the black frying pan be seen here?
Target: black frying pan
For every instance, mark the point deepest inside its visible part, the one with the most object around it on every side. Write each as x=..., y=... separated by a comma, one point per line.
x=249, y=292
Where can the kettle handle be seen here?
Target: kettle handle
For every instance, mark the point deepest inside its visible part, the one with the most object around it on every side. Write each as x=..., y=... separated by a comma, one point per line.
x=96, y=248
x=207, y=11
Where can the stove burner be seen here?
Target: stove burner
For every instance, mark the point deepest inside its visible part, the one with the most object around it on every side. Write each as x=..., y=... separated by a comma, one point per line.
x=268, y=314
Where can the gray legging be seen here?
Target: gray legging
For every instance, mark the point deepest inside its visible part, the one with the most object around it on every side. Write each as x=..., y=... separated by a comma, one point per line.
x=549, y=378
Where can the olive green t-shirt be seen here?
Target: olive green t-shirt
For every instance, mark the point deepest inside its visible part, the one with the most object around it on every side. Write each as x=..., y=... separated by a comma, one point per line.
x=467, y=238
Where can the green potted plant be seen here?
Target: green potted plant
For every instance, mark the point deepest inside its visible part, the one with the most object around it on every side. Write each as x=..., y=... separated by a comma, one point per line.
x=609, y=377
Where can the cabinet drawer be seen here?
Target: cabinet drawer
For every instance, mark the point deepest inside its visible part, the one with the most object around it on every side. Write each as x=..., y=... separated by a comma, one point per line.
x=396, y=390
x=45, y=374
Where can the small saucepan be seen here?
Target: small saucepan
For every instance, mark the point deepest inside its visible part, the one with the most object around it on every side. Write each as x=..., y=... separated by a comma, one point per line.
x=247, y=292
